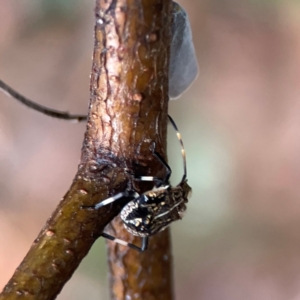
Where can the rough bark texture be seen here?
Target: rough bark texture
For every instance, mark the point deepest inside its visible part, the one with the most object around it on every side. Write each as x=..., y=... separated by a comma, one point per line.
x=144, y=28
x=128, y=112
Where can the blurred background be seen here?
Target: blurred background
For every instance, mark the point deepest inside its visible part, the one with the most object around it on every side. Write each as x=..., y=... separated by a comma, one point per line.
x=239, y=121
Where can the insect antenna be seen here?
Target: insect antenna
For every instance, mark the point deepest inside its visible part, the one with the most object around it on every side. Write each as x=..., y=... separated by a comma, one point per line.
x=6, y=89
x=40, y=108
x=182, y=147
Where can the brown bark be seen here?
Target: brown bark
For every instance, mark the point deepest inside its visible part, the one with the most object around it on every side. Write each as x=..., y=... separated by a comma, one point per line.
x=128, y=111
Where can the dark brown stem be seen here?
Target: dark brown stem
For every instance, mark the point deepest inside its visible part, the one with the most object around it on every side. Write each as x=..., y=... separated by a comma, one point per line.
x=128, y=112
x=140, y=112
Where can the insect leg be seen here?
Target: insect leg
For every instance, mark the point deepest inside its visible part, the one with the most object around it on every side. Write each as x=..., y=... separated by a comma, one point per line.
x=132, y=246
x=158, y=180
x=144, y=243
x=164, y=163
x=113, y=199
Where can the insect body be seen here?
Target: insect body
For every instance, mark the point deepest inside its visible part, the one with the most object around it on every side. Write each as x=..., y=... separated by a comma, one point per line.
x=154, y=210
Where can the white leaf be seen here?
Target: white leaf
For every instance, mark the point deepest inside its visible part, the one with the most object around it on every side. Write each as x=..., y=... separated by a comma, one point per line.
x=183, y=68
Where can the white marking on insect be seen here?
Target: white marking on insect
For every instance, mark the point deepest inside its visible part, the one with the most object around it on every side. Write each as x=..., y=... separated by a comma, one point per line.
x=147, y=178
x=110, y=200
x=121, y=242
x=107, y=201
x=168, y=211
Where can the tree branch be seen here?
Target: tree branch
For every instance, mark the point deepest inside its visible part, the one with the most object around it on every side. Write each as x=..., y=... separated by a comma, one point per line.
x=127, y=113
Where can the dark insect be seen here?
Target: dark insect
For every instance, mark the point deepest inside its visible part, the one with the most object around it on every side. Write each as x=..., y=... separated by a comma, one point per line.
x=148, y=213
x=152, y=211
